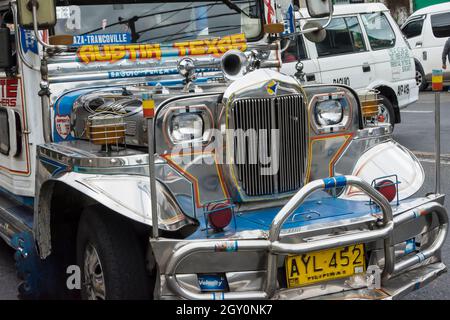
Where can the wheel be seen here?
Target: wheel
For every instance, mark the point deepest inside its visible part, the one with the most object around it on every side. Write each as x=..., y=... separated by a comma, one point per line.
x=386, y=112
x=110, y=257
x=420, y=78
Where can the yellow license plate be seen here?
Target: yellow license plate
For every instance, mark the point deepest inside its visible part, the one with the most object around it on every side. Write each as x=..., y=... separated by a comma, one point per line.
x=324, y=265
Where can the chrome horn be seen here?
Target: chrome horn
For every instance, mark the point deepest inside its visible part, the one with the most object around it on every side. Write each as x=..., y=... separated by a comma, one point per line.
x=234, y=64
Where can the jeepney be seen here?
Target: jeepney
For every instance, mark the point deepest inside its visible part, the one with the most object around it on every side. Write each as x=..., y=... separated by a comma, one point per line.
x=155, y=150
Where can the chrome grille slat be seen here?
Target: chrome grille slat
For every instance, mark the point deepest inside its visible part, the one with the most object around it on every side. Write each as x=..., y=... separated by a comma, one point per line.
x=288, y=115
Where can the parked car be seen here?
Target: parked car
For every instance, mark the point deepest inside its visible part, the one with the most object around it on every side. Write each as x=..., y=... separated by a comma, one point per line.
x=364, y=49
x=427, y=30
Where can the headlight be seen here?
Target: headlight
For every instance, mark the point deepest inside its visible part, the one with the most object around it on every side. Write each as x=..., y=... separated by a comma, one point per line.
x=186, y=127
x=329, y=112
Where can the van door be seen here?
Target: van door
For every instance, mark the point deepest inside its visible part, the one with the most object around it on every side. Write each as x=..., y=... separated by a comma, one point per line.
x=297, y=51
x=413, y=31
x=393, y=61
x=440, y=27
x=343, y=56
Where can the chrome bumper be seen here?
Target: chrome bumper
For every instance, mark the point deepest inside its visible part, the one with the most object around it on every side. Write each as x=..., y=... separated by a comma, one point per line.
x=273, y=246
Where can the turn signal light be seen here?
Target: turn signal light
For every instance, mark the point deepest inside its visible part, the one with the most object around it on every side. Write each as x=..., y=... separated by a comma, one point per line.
x=220, y=216
x=387, y=188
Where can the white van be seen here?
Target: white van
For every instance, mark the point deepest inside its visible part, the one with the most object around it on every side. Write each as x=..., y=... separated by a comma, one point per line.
x=364, y=49
x=427, y=30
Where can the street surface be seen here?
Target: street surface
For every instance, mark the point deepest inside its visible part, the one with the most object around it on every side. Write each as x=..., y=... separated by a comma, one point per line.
x=416, y=132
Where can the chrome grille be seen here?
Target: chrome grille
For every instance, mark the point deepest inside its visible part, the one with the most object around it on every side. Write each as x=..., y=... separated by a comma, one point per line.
x=288, y=115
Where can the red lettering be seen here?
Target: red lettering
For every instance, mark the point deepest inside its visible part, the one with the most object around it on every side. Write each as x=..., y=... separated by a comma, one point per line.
x=8, y=92
x=11, y=88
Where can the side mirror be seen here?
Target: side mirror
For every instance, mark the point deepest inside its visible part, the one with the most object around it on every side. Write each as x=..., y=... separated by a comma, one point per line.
x=45, y=13
x=6, y=59
x=319, y=8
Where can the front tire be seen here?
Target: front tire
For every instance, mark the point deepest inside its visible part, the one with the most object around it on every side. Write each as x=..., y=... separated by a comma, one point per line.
x=420, y=78
x=110, y=257
x=386, y=113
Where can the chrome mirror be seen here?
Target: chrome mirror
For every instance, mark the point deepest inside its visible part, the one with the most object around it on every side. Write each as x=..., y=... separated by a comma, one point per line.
x=45, y=11
x=319, y=8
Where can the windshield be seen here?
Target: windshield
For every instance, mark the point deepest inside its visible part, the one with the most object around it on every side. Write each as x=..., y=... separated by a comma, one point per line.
x=156, y=22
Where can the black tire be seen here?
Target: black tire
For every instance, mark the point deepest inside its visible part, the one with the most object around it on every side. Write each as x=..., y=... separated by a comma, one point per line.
x=420, y=78
x=119, y=252
x=387, y=104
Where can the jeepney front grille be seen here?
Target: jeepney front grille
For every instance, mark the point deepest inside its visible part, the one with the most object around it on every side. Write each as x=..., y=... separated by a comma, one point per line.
x=288, y=116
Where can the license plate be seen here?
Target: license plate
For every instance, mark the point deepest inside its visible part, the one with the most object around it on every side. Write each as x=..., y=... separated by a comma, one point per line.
x=324, y=265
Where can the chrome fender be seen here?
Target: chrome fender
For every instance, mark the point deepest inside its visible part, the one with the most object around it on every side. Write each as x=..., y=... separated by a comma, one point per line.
x=126, y=195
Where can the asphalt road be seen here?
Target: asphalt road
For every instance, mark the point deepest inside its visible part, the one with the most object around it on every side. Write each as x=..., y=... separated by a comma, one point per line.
x=416, y=132
x=8, y=278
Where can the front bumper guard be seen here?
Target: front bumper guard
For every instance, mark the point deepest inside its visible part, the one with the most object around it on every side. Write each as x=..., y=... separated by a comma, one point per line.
x=274, y=247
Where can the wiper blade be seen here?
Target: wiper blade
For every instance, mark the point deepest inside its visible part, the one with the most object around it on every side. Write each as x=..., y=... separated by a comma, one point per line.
x=235, y=7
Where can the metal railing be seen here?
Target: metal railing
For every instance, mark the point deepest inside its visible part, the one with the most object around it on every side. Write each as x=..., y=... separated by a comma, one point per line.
x=274, y=247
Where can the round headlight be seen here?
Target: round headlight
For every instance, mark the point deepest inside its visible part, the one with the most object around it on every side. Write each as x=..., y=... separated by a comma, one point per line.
x=329, y=112
x=186, y=127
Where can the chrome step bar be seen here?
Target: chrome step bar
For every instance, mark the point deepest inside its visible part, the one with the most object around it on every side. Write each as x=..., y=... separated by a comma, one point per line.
x=274, y=247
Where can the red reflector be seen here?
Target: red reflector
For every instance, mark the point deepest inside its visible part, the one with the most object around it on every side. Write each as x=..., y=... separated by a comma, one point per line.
x=388, y=189
x=220, y=216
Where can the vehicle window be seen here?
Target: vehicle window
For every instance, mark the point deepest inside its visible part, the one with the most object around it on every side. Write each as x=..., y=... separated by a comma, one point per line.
x=295, y=52
x=379, y=30
x=344, y=35
x=4, y=132
x=441, y=25
x=413, y=29
x=6, y=21
x=356, y=34
x=160, y=22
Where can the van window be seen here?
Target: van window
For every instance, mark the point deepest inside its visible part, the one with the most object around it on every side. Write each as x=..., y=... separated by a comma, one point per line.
x=441, y=25
x=295, y=52
x=379, y=30
x=4, y=132
x=344, y=35
x=413, y=29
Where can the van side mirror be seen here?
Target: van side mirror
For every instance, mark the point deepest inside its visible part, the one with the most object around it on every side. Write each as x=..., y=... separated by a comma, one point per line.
x=45, y=13
x=6, y=59
x=319, y=8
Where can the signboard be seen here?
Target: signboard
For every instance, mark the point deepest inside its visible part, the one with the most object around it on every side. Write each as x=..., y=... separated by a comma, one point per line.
x=438, y=80
x=8, y=92
x=112, y=53
x=101, y=39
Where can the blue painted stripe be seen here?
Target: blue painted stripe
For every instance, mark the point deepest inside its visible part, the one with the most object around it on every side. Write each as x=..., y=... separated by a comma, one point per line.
x=335, y=182
x=329, y=183
x=26, y=201
x=176, y=82
x=341, y=181
x=59, y=167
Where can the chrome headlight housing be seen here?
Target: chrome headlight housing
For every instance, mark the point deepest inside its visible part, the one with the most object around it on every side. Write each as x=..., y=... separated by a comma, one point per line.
x=331, y=112
x=187, y=125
